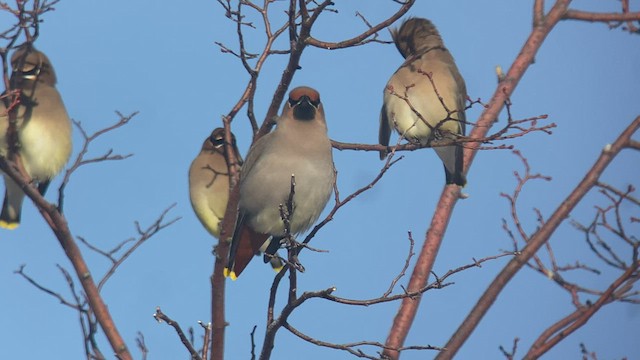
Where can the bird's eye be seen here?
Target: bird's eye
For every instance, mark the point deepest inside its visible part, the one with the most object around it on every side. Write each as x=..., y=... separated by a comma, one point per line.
x=28, y=69
x=315, y=102
x=217, y=140
x=27, y=63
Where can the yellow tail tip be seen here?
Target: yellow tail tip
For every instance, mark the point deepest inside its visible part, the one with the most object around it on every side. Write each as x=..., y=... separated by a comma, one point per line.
x=8, y=225
x=230, y=274
x=278, y=268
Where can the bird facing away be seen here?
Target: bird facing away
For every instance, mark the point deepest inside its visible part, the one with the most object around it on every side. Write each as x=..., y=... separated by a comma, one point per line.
x=42, y=124
x=409, y=92
x=209, y=184
x=299, y=146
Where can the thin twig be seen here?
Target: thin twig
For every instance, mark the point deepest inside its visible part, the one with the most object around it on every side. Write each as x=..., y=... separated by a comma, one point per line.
x=160, y=317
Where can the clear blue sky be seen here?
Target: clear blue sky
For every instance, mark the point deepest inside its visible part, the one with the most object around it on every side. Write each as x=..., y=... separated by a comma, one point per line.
x=161, y=60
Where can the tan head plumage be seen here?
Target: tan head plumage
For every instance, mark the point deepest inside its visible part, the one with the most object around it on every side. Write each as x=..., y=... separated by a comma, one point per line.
x=31, y=64
x=416, y=36
x=215, y=143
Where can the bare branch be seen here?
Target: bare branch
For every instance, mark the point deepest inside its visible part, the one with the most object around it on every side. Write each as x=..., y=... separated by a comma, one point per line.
x=574, y=321
x=437, y=284
x=88, y=139
x=362, y=38
x=142, y=346
x=510, y=355
x=160, y=317
x=353, y=348
x=58, y=224
x=613, y=19
x=56, y=295
x=274, y=326
x=537, y=240
x=625, y=194
x=538, y=12
x=143, y=235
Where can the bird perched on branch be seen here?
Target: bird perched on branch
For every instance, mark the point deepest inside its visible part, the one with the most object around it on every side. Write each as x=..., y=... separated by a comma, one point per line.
x=209, y=180
x=298, y=147
x=42, y=124
x=209, y=183
x=425, y=98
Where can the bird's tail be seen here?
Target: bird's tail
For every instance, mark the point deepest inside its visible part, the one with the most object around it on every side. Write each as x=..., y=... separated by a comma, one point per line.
x=245, y=245
x=452, y=158
x=12, y=205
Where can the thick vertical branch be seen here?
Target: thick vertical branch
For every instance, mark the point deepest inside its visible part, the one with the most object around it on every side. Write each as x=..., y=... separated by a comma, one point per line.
x=538, y=12
x=221, y=252
x=218, y=322
x=408, y=309
x=420, y=275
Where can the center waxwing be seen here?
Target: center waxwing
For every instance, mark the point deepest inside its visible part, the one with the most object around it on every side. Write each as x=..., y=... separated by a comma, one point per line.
x=42, y=124
x=209, y=183
x=299, y=146
x=409, y=92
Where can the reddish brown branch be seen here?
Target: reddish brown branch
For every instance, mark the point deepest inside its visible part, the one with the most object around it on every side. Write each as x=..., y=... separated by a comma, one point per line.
x=600, y=17
x=86, y=313
x=613, y=19
x=577, y=319
x=538, y=12
x=444, y=209
x=221, y=250
x=409, y=306
x=536, y=241
x=58, y=224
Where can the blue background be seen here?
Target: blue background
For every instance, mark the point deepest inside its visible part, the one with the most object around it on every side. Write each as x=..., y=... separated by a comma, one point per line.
x=161, y=60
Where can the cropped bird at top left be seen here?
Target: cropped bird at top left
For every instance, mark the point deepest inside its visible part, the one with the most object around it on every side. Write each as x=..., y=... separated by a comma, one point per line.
x=42, y=124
